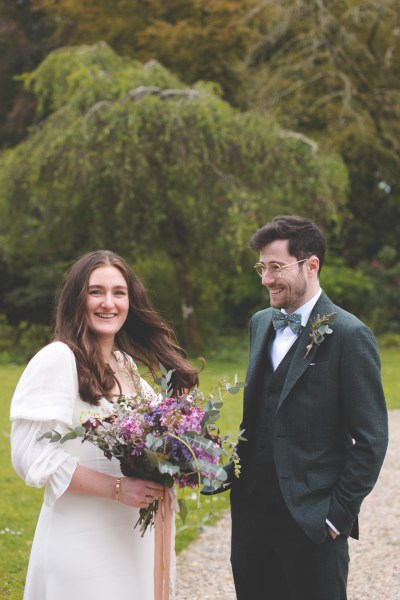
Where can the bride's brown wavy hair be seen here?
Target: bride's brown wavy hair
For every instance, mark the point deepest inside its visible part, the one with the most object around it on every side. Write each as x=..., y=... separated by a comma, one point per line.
x=145, y=335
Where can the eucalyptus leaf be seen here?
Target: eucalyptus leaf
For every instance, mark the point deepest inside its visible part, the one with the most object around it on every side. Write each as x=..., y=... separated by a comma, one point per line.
x=241, y=438
x=153, y=442
x=71, y=435
x=47, y=435
x=213, y=418
x=167, y=467
x=183, y=509
x=168, y=375
x=217, y=404
x=213, y=412
x=194, y=439
x=204, y=465
x=214, y=450
x=233, y=389
x=221, y=474
x=163, y=369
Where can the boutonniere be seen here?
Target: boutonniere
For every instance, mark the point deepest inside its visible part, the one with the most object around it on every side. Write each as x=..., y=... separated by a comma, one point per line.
x=320, y=326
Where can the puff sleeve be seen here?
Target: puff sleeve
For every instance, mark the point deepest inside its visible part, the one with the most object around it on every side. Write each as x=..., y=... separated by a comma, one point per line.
x=44, y=399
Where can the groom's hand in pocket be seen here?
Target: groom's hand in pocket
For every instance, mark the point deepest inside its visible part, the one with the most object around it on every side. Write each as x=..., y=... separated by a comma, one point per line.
x=332, y=533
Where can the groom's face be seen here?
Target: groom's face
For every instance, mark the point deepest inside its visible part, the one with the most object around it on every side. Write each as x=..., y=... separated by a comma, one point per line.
x=291, y=287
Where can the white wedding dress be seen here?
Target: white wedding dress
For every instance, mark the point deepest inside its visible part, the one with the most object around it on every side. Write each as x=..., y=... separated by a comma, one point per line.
x=85, y=548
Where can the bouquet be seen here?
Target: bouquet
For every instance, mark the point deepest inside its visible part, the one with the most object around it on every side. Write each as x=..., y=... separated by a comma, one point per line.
x=172, y=440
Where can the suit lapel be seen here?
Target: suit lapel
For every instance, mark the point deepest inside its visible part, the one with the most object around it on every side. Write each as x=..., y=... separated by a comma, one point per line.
x=300, y=364
x=258, y=352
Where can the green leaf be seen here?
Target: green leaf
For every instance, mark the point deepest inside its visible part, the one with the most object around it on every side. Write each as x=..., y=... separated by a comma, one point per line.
x=55, y=437
x=47, y=435
x=234, y=389
x=240, y=436
x=80, y=431
x=196, y=440
x=153, y=442
x=221, y=474
x=183, y=509
x=71, y=435
x=217, y=404
x=211, y=418
x=213, y=412
x=167, y=467
x=163, y=369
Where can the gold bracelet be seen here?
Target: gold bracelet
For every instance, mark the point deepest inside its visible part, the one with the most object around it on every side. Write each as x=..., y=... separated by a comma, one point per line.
x=117, y=490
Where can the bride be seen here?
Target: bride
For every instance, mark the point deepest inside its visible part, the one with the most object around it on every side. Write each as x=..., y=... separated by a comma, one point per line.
x=85, y=544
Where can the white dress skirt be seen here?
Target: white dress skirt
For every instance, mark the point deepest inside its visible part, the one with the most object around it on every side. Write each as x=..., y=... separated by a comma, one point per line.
x=84, y=548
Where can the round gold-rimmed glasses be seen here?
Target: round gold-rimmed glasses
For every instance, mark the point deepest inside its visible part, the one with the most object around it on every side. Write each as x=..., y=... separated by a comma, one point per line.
x=274, y=269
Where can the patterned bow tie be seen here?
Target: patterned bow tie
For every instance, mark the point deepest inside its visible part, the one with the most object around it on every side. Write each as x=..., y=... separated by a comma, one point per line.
x=280, y=320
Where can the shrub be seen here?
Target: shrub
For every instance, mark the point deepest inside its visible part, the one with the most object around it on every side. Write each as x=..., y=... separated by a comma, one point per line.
x=19, y=343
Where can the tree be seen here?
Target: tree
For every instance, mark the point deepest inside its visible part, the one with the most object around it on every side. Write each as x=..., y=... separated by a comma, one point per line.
x=329, y=69
x=125, y=156
x=196, y=39
x=20, y=51
x=333, y=64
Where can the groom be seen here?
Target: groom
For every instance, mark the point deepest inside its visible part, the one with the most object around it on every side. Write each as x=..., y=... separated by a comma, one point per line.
x=315, y=421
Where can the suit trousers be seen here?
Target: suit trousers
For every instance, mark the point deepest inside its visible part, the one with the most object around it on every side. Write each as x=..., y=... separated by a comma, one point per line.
x=273, y=559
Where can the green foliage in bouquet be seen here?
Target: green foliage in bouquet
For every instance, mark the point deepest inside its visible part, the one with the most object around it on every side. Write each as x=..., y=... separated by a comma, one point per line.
x=172, y=440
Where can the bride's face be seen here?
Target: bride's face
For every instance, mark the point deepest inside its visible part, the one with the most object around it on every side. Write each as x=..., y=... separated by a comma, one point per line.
x=107, y=302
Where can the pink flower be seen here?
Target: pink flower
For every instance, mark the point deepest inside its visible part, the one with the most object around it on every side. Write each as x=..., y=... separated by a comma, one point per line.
x=377, y=265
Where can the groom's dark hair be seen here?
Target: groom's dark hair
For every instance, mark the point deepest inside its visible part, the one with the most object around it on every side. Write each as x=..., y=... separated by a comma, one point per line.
x=305, y=238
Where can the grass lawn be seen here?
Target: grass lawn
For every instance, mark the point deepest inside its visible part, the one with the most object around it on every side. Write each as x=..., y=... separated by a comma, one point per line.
x=390, y=358
x=20, y=504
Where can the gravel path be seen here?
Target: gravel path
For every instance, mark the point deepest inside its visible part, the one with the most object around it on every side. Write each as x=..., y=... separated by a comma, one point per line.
x=204, y=573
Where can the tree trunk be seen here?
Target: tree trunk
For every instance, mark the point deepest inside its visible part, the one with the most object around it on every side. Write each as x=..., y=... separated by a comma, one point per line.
x=193, y=337
x=178, y=252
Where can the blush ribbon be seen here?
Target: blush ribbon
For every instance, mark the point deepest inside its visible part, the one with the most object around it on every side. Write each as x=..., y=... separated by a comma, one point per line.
x=164, y=546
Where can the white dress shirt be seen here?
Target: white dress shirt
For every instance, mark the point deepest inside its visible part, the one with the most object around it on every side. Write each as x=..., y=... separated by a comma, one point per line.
x=285, y=338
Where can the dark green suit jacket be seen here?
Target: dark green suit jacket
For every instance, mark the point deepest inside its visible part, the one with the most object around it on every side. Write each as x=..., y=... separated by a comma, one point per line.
x=330, y=430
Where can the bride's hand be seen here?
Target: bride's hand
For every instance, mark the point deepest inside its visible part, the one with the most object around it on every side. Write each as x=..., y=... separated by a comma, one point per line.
x=139, y=493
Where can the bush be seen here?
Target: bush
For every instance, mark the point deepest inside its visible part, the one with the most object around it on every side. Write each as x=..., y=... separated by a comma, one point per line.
x=350, y=289
x=389, y=340
x=19, y=343
x=384, y=272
